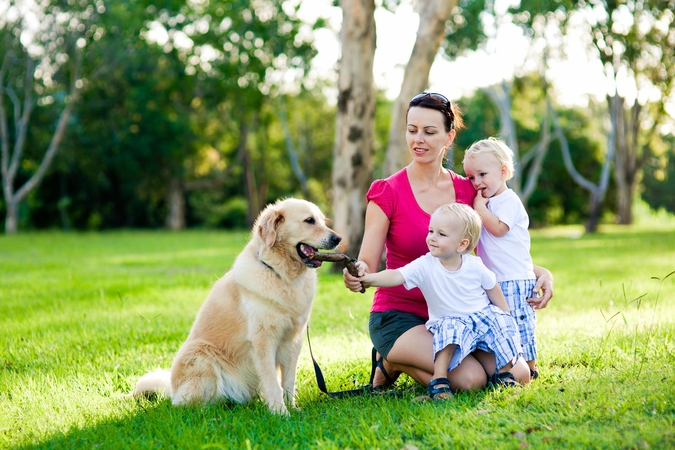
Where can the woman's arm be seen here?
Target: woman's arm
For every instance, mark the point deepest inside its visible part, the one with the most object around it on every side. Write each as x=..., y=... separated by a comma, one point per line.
x=374, y=236
x=544, y=286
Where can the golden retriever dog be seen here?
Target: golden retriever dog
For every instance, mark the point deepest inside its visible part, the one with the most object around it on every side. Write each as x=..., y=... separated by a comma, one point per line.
x=247, y=337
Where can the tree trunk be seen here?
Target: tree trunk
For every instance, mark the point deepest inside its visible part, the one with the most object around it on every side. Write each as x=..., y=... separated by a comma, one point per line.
x=249, y=176
x=433, y=15
x=293, y=156
x=10, y=163
x=626, y=158
x=175, y=199
x=537, y=154
x=624, y=203
x=597, y=191
x=501, y=97
x=355, y=128
x=595, y=207
x=12, y=218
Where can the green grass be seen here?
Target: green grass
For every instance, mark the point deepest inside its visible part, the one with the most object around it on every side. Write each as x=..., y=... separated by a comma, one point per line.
x=82, y=316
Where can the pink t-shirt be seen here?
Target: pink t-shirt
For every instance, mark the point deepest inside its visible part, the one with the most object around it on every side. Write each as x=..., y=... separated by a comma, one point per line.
x=406, y=239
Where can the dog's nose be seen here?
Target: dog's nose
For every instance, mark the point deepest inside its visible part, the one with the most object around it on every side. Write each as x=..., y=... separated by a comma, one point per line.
x=335, y=240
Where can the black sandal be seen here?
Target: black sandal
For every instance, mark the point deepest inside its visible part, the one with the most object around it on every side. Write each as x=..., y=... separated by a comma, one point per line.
x=379, y=364
x=441, y=392
x=534, y=374
x=502, y=379
x=382, y=388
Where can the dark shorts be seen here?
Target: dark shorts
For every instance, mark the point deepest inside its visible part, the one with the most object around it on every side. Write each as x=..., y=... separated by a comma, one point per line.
x=387, y=326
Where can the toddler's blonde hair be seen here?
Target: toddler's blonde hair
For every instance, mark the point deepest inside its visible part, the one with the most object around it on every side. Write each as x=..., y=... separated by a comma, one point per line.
x=470, y=220
x=496, y=147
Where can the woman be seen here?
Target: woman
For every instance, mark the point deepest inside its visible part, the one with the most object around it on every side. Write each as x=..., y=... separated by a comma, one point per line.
x=397, y=216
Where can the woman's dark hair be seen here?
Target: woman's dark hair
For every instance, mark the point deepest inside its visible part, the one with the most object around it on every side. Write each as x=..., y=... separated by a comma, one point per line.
x=452, y=115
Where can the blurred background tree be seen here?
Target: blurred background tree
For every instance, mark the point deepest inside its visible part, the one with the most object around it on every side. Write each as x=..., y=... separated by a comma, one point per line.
x=196, y=114
x=43, y=46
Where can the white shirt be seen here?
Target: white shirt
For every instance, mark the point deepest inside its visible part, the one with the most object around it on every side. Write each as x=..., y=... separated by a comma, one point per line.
x=507, y=256
x=457, y=293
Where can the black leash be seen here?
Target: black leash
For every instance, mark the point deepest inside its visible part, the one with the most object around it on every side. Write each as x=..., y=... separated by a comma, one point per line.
x=367, y=389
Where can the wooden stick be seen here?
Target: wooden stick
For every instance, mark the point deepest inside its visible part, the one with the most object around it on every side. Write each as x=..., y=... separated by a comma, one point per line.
x=348, y=261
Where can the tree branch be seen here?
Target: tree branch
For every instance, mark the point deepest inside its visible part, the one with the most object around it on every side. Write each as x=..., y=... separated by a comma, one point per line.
x=58, y=133
x=4, y=132
x=290, y=146
x=567, y=158
x=541, y=150
x=21, y=119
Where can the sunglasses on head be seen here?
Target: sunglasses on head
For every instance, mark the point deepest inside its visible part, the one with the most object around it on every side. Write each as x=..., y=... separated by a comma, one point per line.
x=439, y=97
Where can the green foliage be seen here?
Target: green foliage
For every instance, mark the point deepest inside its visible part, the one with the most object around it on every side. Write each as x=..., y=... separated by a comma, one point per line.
x=83, y=315
x=659, y=178
x=633, y=40
x=465, y=29
x=557, y=198
x=383, y=109
x=218, y=212
x=197, y=107
x=42, y=45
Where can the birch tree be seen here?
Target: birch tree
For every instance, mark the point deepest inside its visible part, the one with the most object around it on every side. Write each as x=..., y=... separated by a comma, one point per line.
x=524, y=182
x=40, y=65
x=433, y=17
x=354, y=139
x=635, y=37
x=635, y=41
x=597, y=189
x=436, y=31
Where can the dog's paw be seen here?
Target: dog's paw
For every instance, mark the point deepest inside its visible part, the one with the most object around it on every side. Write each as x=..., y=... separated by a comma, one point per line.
x=282, y=411
x=279, y=408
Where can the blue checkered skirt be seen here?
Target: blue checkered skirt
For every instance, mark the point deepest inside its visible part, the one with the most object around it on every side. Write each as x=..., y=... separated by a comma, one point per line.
x=491, y=329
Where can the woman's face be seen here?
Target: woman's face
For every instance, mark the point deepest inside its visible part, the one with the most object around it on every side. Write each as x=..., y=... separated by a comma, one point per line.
x=426, y=135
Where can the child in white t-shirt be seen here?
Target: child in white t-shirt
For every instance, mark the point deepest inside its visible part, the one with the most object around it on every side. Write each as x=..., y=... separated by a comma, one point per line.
x=467, y=310
x=504, y=244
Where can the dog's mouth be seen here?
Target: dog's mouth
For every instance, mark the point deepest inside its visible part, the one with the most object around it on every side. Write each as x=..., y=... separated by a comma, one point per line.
x=306, y=251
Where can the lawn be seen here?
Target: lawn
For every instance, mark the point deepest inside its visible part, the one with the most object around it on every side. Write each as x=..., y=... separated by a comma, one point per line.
x=83, y=315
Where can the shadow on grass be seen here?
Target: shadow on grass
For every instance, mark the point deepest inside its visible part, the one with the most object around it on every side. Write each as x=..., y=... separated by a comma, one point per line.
x=357, y=422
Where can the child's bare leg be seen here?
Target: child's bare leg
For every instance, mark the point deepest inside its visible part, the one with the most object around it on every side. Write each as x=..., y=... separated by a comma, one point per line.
x=442, y=361
x=439, y=386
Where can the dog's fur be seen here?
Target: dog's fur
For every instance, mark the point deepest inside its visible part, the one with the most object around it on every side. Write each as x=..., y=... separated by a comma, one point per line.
x=249, y=331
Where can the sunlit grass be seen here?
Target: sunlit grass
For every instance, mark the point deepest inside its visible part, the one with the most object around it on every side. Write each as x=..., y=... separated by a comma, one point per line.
x=82, y=316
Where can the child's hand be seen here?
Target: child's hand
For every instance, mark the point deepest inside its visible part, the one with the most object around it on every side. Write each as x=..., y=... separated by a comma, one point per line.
x=479, y=201
x=364, y=280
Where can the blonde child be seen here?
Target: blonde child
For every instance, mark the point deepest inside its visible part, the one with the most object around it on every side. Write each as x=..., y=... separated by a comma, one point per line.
x=504, y=244
x=467, y=310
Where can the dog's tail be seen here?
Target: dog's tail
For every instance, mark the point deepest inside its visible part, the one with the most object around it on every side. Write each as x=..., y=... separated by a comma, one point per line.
x=154, y=383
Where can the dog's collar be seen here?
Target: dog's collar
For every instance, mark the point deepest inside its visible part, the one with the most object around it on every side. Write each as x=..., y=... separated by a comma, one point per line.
x=267, y=265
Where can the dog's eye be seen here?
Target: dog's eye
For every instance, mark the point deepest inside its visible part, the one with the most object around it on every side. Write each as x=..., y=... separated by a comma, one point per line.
x=310, y=220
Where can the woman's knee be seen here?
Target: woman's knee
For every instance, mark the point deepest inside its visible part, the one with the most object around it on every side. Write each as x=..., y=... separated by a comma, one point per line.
x=468, y=376
x=521, y=371
x=468, y=382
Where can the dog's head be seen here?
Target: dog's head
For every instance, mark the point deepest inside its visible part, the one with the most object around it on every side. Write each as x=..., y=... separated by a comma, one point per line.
x=296, y=228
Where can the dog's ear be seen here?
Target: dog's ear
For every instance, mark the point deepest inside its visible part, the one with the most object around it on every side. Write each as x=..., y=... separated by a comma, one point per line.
x=267, y=225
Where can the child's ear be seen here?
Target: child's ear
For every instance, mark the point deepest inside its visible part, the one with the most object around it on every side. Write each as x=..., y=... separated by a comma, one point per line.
x=463, y=244
x=505, y=170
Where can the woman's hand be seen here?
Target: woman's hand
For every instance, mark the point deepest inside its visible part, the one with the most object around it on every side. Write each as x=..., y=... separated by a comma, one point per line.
x=352, y=283
x=544, y=286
